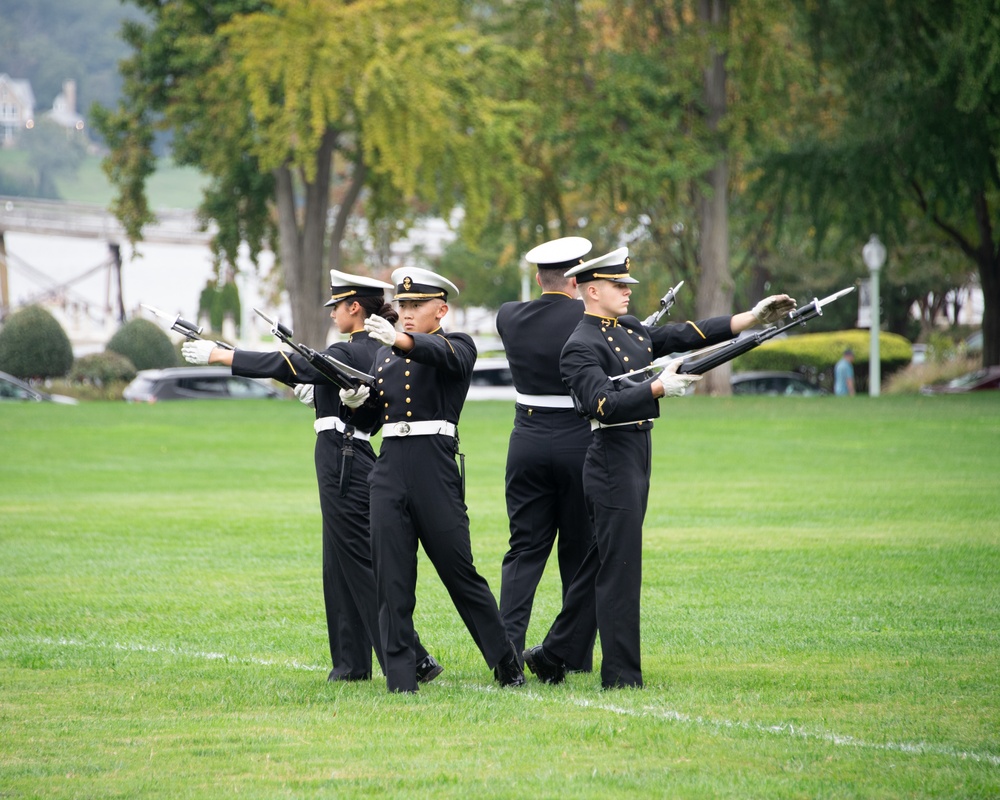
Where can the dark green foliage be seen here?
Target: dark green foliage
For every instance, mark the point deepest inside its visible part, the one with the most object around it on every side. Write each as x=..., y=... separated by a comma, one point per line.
x=486, y=272
x=909, y=143
x=34, y=345
x=144, y=344
x=218, y=301
x=102, y=368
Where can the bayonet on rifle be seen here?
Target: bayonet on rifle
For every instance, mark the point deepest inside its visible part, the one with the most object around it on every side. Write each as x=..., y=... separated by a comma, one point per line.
x=185, y=327
x=701, y=361
x=665, y=302
x=738, y=347
x=343, y=375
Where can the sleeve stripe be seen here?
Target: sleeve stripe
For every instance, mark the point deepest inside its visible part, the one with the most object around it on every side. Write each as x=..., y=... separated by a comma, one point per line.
x=697, y=329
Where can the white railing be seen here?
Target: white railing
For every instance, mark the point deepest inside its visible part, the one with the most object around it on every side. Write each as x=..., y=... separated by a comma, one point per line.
x=55, y=218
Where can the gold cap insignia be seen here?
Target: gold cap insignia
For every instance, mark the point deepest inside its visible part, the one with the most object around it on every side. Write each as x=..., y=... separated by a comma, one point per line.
x=407, y=283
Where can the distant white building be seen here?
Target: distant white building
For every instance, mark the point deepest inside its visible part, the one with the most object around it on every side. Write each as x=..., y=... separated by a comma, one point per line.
x=64, y=108
x=17, y=108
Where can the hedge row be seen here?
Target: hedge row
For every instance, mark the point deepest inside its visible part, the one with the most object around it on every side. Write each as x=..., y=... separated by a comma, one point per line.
x=816, y=353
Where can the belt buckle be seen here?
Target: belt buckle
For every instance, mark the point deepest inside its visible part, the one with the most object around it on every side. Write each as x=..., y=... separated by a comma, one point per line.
x=402, y=428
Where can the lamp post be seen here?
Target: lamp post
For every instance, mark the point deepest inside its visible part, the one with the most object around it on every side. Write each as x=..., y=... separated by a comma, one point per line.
x=873, y=254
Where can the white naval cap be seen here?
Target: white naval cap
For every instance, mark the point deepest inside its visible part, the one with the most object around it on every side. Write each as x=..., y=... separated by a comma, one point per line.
x=343, y=286
x=559, y=253
x=612, y=266
x=414, y=283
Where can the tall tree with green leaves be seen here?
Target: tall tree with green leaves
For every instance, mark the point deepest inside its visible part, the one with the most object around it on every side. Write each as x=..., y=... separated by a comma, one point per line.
x=914, y=135
x=294, y=102
x=662, y=106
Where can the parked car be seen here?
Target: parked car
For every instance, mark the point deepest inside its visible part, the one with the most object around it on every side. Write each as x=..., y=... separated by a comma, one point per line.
x=14, y=389
x=988, y=378
x=491, y=380
x=195, y=383
x=774, y=383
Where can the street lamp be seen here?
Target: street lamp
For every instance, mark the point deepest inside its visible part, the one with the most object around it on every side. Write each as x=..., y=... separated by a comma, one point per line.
x=873, y=254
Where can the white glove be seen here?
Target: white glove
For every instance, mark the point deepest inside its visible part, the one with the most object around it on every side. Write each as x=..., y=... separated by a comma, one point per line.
x=675, y=385
x=304, y=391
x=352, y=398
x=197, y=351
x=381, y=330
x=773, y=308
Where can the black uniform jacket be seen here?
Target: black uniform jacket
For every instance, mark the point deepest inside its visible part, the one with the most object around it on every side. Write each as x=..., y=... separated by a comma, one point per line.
x=427, y=383
x=533, y=333
x=291, y=368
x=603, y=347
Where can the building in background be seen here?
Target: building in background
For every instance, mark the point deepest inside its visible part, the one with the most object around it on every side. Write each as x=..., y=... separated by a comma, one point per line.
x=17, y=108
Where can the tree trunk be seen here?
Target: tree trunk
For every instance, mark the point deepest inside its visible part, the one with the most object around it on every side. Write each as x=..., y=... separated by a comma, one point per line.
x=715, y=287
x=358, y=177
x=302, y=238
x=989, y=277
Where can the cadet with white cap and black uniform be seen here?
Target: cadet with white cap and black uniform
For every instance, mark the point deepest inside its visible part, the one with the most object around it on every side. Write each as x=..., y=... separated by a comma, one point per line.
x=344, y=459
x=422, y=377
x=617, y=469
x=544, y=476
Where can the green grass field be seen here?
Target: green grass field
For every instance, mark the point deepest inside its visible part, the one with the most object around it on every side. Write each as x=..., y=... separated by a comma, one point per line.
x=821, y=614
x=170, y=186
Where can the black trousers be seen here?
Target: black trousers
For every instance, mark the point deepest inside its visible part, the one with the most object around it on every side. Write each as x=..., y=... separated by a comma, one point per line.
x=348, y=577
x=606, y=589
x=416, y=497
x=544, y=491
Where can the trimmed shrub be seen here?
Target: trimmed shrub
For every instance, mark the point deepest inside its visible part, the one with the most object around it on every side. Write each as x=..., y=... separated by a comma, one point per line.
x=100, y=369
x=144, y=344
x=816, y=353
x=34, y=345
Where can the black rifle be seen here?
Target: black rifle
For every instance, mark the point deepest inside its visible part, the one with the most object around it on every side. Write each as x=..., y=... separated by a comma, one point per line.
x=665, y=302
x=337, y=372
x=701, y=361
x=186, y=328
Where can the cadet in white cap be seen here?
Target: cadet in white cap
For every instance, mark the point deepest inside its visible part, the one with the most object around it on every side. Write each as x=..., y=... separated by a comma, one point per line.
x=344, y=460
x=616, y=473
x=422, y=377
x=544, y=476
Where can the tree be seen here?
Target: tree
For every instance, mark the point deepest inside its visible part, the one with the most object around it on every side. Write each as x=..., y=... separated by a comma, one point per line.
x=34, y=345
x=277, y=101
x=912, y=134
x=53, y=152
x=144, y=344
x=51, y=41
x=658, y=109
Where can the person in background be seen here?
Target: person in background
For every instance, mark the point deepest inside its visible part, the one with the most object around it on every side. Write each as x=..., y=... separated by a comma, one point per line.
x=843, y=374
x=348, y=578
x=544, y=474
x=417, y=488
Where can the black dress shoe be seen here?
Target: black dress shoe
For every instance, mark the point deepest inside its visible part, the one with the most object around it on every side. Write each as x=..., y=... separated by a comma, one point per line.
x=547, y=670
x=428, y=669
x=347, y=676
x=508, y=672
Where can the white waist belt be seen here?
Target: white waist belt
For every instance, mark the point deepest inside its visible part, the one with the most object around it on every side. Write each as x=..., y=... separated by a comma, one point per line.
x=594, y=424
x=545, y=400
x=337, y=424
x=427, y=427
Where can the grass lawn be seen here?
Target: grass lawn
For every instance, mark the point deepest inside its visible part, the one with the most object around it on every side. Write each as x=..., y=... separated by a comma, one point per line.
x=170, y=186
x=821, y=614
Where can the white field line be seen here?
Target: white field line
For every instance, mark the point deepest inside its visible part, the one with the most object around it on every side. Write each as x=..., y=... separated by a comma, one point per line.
x=667, y=715
x=175, y=651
